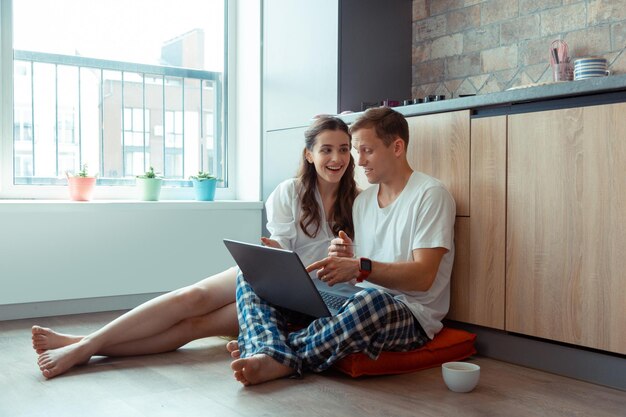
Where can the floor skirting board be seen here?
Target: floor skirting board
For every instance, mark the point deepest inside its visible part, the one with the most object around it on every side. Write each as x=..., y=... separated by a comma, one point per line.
x=567, y=360
x=78, y=306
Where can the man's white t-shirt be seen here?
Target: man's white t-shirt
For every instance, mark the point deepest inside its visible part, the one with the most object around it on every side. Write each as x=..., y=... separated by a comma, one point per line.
x=422, y=216
x=283, y=223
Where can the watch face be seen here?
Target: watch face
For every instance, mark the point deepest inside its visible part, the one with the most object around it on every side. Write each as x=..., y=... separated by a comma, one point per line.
x=366, y=264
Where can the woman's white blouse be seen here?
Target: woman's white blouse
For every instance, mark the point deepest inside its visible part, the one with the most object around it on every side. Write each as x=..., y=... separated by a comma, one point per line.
x=283, y=222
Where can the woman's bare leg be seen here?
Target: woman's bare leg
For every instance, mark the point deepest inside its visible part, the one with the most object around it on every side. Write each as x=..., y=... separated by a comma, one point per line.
x=222, y=322
x=145, y=321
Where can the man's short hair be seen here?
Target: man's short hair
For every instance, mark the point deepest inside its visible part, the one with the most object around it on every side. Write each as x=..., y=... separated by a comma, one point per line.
x=388, y=124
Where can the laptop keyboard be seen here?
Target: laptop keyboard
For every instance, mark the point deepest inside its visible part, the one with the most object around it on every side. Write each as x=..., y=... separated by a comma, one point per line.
x=333, y=301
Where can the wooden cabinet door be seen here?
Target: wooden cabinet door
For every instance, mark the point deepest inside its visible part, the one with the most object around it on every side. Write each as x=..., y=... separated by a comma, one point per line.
x=460, y=284
x=566, y=226
x=439, y=147
x=477, y=296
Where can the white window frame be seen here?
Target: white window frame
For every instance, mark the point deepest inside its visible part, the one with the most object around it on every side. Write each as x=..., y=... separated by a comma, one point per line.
x=10, y=191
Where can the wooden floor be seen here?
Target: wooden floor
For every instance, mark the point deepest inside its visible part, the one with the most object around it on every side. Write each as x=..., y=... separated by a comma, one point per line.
x=197, y=381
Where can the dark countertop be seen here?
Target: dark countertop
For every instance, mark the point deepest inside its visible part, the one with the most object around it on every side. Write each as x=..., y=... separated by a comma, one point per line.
x=517, y=95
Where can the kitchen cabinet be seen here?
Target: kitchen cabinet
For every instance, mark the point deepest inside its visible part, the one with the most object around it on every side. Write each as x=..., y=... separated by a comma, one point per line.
x=478, y=285
x=566, y=211
x=545, y=236
x=439, y=146
x=542, y=250
x=540, y=232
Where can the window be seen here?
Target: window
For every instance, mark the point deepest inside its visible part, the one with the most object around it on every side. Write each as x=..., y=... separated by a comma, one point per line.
x=118, y=89
x=136, y=135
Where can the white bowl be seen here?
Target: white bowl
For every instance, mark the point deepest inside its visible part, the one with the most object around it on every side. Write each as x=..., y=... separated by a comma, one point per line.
x=460, y=376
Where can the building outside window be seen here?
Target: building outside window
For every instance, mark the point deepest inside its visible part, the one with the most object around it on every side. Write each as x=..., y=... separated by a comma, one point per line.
x=136, y=135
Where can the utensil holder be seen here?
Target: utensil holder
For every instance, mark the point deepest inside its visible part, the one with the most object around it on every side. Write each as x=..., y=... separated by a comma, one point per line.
x=562, y=72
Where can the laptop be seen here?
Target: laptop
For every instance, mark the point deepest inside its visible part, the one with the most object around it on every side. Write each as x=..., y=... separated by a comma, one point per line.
x=279, y=277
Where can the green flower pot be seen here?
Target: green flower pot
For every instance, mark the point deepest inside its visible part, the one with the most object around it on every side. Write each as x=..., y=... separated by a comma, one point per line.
x=149, y=188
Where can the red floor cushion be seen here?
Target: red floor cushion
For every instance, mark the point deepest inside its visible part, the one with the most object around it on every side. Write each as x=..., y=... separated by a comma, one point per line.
x=447, y=346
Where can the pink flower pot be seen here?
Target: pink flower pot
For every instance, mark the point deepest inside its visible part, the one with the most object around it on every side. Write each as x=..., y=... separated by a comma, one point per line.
x=81, y=188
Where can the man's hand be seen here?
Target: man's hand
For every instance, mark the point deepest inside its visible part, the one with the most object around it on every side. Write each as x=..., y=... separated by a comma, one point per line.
x=271, y=243
x=341, y=246
x=333, y=270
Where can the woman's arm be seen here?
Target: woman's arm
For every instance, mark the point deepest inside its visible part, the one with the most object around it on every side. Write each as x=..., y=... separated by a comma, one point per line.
x=281, y=212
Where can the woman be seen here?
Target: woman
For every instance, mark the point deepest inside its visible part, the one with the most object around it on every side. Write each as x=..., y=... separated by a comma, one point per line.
x=304, y=214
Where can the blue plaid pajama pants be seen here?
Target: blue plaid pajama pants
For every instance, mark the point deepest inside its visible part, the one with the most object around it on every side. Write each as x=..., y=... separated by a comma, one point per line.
x=370, y=322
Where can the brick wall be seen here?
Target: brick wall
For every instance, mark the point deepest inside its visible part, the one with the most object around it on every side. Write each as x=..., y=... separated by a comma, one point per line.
x=484, y=46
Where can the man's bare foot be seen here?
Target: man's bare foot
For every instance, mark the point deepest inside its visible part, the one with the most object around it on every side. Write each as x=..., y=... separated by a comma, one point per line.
x=54, y=362
x=258, y=368
x=44, y=339
x=233, y=348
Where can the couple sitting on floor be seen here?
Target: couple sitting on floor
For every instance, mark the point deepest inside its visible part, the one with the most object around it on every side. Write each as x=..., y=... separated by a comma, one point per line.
x=401, y=230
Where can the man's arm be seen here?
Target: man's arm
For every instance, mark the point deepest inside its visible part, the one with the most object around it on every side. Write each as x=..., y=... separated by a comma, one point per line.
x=416, y=275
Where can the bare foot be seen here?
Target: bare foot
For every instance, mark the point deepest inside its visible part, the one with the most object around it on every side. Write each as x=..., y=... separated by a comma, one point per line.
x=54, y=362
x=233, y=348
x=258, y=368
x=44, y=339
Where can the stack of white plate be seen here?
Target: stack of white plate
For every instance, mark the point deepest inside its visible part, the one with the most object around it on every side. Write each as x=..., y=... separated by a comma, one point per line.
x=590, y=67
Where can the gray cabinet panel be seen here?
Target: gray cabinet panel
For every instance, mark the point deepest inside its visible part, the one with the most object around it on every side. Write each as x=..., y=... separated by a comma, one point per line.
x=282, y=152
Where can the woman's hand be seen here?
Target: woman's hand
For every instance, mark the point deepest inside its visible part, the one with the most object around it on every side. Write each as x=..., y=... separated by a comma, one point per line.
x=342, y=246
x=271, y=243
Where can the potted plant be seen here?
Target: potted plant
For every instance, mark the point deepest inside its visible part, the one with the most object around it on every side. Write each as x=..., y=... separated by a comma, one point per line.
x=149, y=185
x=81, y=185
x=204, y=185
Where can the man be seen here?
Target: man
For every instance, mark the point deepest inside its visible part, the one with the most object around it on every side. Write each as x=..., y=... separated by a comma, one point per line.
x=404, y=231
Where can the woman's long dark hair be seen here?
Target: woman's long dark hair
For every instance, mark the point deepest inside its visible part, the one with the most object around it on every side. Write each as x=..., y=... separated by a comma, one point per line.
x=341, y=215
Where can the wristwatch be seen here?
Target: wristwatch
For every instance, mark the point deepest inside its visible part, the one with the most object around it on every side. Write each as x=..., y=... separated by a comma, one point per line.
x=365, y=269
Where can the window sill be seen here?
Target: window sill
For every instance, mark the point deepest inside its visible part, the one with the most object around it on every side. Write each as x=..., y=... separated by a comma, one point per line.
x=13, y=205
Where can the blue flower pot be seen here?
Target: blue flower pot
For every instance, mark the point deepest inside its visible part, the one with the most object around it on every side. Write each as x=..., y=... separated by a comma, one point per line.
x=205, y=189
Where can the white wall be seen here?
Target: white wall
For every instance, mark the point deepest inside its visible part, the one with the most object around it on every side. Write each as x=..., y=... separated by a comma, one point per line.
x=247, y=102
x=67, y=250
